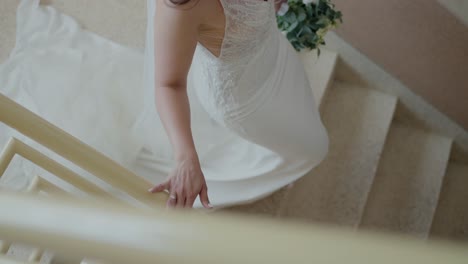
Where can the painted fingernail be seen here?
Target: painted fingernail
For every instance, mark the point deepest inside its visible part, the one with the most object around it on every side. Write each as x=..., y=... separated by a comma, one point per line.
x=150, y=189
x=209, y=205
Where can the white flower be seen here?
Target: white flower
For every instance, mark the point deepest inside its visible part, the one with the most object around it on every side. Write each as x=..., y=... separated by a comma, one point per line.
x=306, y=2
x=321, y=32
x=283, y=9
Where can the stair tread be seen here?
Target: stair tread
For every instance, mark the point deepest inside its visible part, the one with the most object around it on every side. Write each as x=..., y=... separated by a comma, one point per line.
x=357, y=120
x=451, y=217
x=406, y=188
x=266, y=207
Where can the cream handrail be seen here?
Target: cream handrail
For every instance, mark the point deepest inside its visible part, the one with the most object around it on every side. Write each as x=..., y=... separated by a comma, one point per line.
x=7, y=260
x=69, y=147
x=118, y=233
x=15, y=146
x=4, y=246
x=48, y=187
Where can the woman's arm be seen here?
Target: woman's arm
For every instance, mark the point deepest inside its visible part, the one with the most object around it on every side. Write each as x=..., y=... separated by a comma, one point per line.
x=176, y=38
x=176, y=32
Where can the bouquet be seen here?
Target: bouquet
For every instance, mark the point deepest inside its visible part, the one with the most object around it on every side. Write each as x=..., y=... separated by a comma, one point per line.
x=305, y=22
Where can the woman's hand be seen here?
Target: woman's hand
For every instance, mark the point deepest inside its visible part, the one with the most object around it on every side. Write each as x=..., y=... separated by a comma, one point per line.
x=185, y=183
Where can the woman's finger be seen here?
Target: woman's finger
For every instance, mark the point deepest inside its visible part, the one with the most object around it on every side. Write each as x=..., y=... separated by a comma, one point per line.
x=160, y=187
x=172, y=201
x=180, y=199
x=204, y=197
x=190, y=200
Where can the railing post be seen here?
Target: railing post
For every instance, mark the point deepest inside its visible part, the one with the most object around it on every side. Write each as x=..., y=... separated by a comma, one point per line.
x=7, y=155
x=4, y=247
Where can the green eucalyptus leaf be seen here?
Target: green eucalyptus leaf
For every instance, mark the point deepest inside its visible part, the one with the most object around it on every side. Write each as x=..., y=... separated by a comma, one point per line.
x=301, y=15
x=307, y=30
x=290, y=17
x=293, y=26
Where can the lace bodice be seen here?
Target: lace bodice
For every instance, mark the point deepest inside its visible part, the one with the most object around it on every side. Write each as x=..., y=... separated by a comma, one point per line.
x=233, y=80
x=247, y=23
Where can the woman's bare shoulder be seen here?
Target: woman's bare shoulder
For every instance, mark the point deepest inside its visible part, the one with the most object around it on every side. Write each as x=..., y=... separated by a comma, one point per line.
x=194, y=11
x=190, y=8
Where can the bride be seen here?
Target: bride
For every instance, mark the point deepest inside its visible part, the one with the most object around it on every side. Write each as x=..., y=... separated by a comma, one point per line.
x=224, y=108
x=247, y=78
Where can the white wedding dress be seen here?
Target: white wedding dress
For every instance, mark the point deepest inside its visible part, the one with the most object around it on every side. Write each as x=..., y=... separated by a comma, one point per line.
x=254, y=121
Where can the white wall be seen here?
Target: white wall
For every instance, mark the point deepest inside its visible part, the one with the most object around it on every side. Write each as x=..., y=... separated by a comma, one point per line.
x=354, y=67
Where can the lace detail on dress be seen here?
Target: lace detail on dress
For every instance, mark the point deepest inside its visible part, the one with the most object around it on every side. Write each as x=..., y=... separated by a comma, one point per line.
x=247, y=24
x=229, y=91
